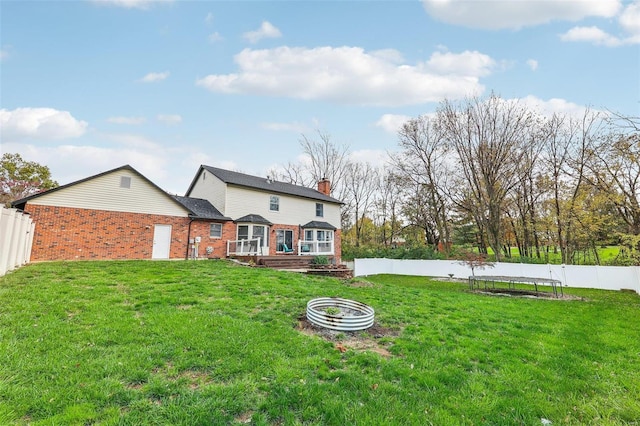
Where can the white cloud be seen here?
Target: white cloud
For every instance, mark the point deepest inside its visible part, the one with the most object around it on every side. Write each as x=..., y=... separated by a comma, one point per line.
x=553, y=105
x=127, y=120
x=196, y=159
x=629, y=21
x=130, y=4
x=169, y=118
x=465, y=63
x=590, y=34
x=391, y=123
x=209, y=18
x=155, y=76
x=215, y=37
x=349, y=75
x=533, y=64
x=133, y=141
x=286, y=127
x=43, y=123
x=4, y=54
x=375, y=157
x=515, y=14
x=266, y=30
x=69, y=163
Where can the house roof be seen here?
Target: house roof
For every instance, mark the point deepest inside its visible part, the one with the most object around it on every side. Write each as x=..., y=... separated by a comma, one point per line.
x=263, y=184
x=20, y=204
x=319, y=225
x=253, y=218
x=201, y=209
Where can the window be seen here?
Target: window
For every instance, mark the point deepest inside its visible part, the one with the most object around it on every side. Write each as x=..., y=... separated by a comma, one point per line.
x=243, y=232
x=319, y=209
x=260, y=231
x=324, y=235
x=308, y=235
x=125, y=182
x=215, y=230
x=274, y=203
x=284, y=237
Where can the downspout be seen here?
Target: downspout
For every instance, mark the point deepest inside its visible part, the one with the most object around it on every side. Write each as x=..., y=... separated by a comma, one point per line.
x=186, y=256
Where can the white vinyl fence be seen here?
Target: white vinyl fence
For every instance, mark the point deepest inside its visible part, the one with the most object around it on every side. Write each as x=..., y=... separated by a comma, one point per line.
x=16, y=238
x=599, y=277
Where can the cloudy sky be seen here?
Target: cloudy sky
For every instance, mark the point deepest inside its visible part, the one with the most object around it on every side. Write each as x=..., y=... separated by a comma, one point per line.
x=86, y=86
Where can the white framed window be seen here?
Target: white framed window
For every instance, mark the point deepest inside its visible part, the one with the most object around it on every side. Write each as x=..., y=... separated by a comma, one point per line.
x=319, y=210
x=274, y=203
x=256, y=231
x=323, y=235
x=284, y=240
x=215, y=230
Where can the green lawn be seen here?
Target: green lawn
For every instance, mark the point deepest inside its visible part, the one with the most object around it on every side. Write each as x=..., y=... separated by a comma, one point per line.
x=607, y=254
x=212, y=343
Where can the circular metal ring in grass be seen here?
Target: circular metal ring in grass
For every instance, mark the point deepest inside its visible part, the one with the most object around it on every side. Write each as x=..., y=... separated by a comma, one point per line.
x=340, y=314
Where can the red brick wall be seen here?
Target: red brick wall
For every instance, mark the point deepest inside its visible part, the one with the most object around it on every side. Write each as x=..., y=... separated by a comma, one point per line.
x=273, y=241
x=64, y=233
x=219, y=245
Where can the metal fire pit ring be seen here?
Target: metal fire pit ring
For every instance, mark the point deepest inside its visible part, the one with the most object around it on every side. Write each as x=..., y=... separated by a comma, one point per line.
x=353, y=315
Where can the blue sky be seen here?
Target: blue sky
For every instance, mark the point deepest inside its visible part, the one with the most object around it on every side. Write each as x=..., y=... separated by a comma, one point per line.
x=86, y=86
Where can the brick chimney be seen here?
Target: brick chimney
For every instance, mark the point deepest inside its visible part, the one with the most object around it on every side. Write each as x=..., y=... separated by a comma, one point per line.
x=324, y=186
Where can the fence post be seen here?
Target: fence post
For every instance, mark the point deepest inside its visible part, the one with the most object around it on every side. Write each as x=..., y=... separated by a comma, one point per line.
x=7, y=220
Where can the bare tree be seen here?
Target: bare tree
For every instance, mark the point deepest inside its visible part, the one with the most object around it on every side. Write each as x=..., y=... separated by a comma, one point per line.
x=324, y=159
x=566, y=154
x=387, y=206
x=361, y=185
x=616, y=168
x=490, y=138
x=422, y=162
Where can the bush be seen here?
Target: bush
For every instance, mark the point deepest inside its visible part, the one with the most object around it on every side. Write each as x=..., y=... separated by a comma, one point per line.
x=404, y=252
x=320, y=260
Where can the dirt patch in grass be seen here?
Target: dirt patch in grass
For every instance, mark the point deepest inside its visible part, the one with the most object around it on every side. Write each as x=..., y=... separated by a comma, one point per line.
x=355, y=282
x=527, y=294
x=244, y=418
x=364, y=340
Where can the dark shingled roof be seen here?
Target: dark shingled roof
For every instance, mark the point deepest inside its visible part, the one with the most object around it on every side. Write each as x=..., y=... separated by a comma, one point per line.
x=253, y=218
x=201, y=209
x=241, y=179
x=319, y=225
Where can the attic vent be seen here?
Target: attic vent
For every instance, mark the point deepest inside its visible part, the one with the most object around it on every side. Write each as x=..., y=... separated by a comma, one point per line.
x=125, y=182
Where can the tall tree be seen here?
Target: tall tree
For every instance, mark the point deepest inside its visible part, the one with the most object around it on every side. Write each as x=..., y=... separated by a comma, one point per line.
x=322, y=159
x=615, y=168
x=20, y=178
x=361, y=185
x=490, y=138
x=422, y=162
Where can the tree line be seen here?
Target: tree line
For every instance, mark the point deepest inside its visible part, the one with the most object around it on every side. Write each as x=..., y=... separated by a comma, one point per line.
x=494, y=175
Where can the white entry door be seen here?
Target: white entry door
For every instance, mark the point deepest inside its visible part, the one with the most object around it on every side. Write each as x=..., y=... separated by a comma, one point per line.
x=161, y=241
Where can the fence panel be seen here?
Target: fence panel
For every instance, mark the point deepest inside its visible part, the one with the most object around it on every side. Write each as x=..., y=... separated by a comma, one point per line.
x=16, y=239
x=598, y=277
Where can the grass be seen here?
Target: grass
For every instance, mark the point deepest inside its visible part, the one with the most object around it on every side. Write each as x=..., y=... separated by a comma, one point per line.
x=128, y=343
x=608, y=256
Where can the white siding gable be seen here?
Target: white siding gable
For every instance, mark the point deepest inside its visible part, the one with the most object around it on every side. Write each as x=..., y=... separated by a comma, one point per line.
x=209, y=187
x=106, y=192
x=293, y=210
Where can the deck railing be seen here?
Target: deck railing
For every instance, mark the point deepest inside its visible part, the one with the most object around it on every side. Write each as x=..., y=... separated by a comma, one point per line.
x=244, y=247
x=315, y=248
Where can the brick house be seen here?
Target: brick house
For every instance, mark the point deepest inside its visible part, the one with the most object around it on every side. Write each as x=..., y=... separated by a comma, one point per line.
x=120, y=214
x=272, y=218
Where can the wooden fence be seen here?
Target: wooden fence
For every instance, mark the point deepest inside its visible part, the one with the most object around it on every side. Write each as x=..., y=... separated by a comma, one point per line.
x=16, y=238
